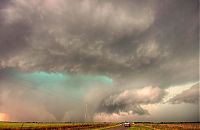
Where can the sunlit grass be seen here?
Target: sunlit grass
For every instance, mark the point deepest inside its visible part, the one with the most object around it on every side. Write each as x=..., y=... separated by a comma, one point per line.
x=165, y=126
x=139, y=127
x=19, y=125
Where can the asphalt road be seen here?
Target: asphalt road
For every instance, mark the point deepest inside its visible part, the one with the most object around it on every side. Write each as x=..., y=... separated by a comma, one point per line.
x=121, y=127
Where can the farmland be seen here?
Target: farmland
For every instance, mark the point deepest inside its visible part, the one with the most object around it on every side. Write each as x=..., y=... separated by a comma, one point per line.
x=96, y=126
x=165, y=126
x=49, y=126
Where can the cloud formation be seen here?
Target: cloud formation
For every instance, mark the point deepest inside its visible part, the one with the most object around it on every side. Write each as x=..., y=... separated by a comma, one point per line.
x=109, y=50
x=130, y=100
x=41, y=96
x=188, y=96
x=112, y=37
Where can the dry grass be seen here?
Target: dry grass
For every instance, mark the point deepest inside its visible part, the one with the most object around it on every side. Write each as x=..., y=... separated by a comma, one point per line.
x=51, y=126
x=176, y=126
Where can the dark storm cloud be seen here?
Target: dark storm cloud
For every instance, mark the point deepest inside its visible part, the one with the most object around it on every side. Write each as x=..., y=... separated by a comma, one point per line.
x=122, y=39
x=131, y=100
x=188, y=96
x=176, y=26
x=12, y=35
x=135, y=42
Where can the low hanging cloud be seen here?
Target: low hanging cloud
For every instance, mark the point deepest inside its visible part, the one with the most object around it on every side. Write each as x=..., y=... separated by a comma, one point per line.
x=125, y=40
x=42, y=96
x=131, y=100
x=190, y=95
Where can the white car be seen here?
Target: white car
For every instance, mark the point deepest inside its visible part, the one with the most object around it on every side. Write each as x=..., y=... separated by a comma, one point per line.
x=127, y=124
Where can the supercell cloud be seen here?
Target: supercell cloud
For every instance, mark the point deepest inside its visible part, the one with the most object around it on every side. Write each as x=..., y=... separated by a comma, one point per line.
x=115, y=56
x=188, y=96
x=130, y=100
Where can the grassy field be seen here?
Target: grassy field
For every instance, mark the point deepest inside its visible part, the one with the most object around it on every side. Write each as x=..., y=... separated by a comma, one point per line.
x=95, y=126
x=165, y=126
x=140, y=127
x=49, y=126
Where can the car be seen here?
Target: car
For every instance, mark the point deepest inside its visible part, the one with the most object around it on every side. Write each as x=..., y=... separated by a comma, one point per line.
x=127, y=124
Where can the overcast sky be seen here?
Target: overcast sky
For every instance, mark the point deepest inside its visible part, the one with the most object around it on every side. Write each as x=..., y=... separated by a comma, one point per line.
x=133, y=60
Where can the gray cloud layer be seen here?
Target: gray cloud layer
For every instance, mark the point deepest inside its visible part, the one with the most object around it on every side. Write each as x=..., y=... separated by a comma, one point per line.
x=135, y=42
x=130, y=100
x=188, y=96
x=122, y=39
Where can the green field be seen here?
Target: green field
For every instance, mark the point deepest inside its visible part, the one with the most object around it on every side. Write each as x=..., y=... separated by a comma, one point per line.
x=165, y=126
x=46, y=125
x=95, y=126
x=140, y=127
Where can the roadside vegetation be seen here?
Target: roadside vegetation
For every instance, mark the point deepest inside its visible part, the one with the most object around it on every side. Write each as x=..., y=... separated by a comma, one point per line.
x=95, y=126
x=165, y=126
x=50, y=126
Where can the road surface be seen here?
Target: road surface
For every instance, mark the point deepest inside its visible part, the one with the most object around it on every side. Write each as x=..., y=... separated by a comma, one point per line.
x=121, y=127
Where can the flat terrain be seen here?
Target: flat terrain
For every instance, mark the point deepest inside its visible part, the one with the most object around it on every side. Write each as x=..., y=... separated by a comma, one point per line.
x=157, y=126
x=165, y=126
x=97, y=126
x=54, y=126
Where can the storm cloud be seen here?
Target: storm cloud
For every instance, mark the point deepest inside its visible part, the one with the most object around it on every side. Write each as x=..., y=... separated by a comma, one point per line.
x=114, y=37
x=56, y=56
x=130, y=100
x=188, y=96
